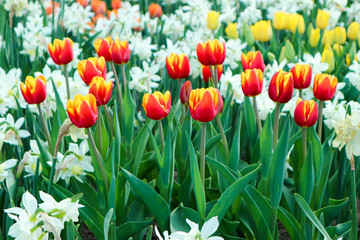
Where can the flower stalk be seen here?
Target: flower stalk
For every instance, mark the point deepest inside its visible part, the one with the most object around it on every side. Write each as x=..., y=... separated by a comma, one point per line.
x=257, y=115
x=45, y=129
x=353, y=199
x=319, y=130
x=161, y=133
x=276, y=124
x=202, y=156
x=110, y=120
x=67, y=81
x=117, y=84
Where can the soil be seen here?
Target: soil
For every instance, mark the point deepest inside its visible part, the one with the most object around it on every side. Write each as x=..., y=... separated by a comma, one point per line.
x=86, y=233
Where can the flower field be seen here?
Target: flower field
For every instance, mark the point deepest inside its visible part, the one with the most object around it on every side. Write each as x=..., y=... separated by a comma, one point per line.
x=181, y=120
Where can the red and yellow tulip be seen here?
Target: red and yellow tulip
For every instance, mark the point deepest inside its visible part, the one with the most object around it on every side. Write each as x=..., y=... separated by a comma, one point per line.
x=82, y=110
x=101, y=90
x=185, y=92
x=252, y=82
x=92, y=67
x=204, y=104
x=155, y=10
x=281, y=87
x=324, y=86
x=120, y=52
x=157, y=105
x=178, y=66
x=302, y=75
x=253, y=60
x=34, y=89
x=211, y=52
x=61, y=52
x=102, y=47
x=306, y=113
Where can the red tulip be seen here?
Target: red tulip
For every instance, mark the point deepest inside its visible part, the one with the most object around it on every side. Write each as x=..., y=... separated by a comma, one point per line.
x=306, y=113
x=253, y=60
x=211, y=52
x=178, y=66
x=101, y=90
x=185, y=92
x=34, y=89
x=324, y=86
x=120, y=51
x=157, y=106
x=204, y=104
x=301, y=75
x=61, y=52
x=281, y=87
x=92, y=67
x=155, y=10
x=82, y=110
x=252, y=82
x=102, y=47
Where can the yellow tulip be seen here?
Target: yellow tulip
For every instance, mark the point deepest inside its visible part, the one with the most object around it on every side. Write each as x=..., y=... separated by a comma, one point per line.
x=327, y=56
x=296, y=21
x=280, y=21
x=212, y=20
x=349, y=61
x=314, y=37
x=340, y=35
x=231, y=31
x=322, y=19
x=262, y=31
x=338, y=48
x=328, y=37
x=353, y=31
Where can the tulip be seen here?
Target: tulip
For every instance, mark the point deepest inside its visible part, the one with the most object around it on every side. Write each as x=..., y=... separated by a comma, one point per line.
x=120, y=52
x=327, y=56
x=340, y=35
x=322, y=19
x=116, y=4
x=155, y=10
x=204, y=104
x=296, y=22
x=178, y=66
x=328, y=37
x=324, y=86
x=262, y=31
x=281, y=20
x=353, y=31
x=306, y=113
x=249, y=37
x=206, y=72
x=61, y=52
x=102, y=47
x=212, y=20
x=301, y=75
x=185, y=92
x=101, y=90
x=82, y=110
x=98, y=7
x=34, y=89
x=314, y=37
x=83, y=3
x=252, y=82
x=338, y=49
x=212, y=52
x=253, y=60
x=231, y=31
x=348, y=60
x=281, y=87
x=49, y=9
x=92, y=67
x=157, y=105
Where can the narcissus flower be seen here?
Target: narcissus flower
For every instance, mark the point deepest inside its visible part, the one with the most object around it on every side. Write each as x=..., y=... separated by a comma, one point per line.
x=314, y=37
x=253, y=60
x=102, y=47
x=281, y=87
x=82, y=110
x=324, y=86
x=306, y=113
x=262, y=31
x=204, y=104
x=231, y=31
x=155, y=10
x=101, y=90
x=185, y=92
x=340, y=35
x=322, y=19
x=206, y=72
x=281, y=20
x=120, y=52
x=353, y=31
x=157, y=105
x=178, y=66
x=301, y=75
x=34, y=89
x=211, y=52
x=92, y=67
x=61, y=52
x=252, y=82
x=212, y=20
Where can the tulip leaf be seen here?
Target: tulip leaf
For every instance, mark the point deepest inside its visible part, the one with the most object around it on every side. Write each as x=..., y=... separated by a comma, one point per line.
x=178, y=218
x=107, y=220
x=131, y=228
x=307, y=177
x=317, y=153
x=224, y=170
x=235, y=148
x=250, y=121
x=266, y=142
x=339, y=230
x=129, y=115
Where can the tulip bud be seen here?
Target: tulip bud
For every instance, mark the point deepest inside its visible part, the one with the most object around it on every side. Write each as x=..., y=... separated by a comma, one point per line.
x=281, y=20
x=328, y=57
x=324, y=86
x=204, y=104
x=98, y=7
x=90, y=68
x=249, y=37
x=185, y=92
x=61, y=52
x=34, y=89
x=322, y=19
x=340, y=35
x=271, y=56
x=309, y=29
x=212, y=20
x=352, y=51
x=82, y=110
x=157, y=106
x=301, y=75
x=348, y=60
x=353, y=31
x=231, y=31
x=314, y=37
x=262, y=31
x=211, y=52
x=289, y=51
x=178, y=66
x=328, y=37
x=296, y=22
x=101, y=90
x=253, y=60
x=155, y=10
x=252, y=82
x=306, y=113
x=206, y=72
x=102, y=47
x=281, y=87
x=120, y=52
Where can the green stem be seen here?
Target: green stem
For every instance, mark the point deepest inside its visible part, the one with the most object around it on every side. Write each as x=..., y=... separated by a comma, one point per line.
x=353, y=199
x=52, y=174
x=98, y=128
x=273, y=220
x=117, y=84
x=276, y=124
x=202, y=156
x=223, y=137
x=257, y=115
x=45, y=129
x=321, y=106
x=161, y=133
x=98, y=159
x=215, y=80
x=123, y=75
x=304, y=142
x=110, y=120
x=300, y=93
x=67, y=81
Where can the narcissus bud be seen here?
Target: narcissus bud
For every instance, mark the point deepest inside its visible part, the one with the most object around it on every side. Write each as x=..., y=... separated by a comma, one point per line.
x=204, y=104
x=82, y=110
x=212, y=20
x=211, y=52
x=61, y=52
x=101, y=90
x=281, y=87
x=185, y=92
x=92, y=67
x=322, y=19
x=102, y=47
x=34, y=89
x=157, y=105
x=253, y=60
x=252, y=82
x=301, y=75
x=178, y=66
x=324, y=86
x=306, y=113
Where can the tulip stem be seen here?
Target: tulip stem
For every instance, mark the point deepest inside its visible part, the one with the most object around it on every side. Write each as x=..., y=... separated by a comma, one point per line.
x=202, y=156
x=98, y=159
x=110, y=120
x=223, y=137
x=321, y=106
x=257, y=115
x=123, y=75
x=117, y=84
x=304, y=142
x=161, y=133
x=276, y=124
x=45, y=129
x=300, y=93
x=216, y=77
x=353, y=199
x=67, y=81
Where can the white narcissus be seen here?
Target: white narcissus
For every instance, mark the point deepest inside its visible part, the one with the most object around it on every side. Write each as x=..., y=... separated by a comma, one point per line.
x=5, y=166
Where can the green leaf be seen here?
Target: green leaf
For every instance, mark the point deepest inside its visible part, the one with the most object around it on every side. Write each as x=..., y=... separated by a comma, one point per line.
x=235, y=148
x=149, y=233
x=266, y=143
x=178, y=218
x=307, y=177
x=311, y=215
x=317, y=153
x=339, y=230
x=156, y=205
x=107, y=220
x=250, y=121
x=129, y=229
x=332, y=210
x=45, y=156
x=290, y=223
x=129, y=115
x=224, y=170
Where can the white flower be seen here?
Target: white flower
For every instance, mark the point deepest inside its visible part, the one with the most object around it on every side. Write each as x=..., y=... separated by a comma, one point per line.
x=142, y=47
x=233, y=52
x=31, y=161
x=274, y=68
x=234, y=81
x=315, y=62
x=334, y=111
x=18, y=5
x=250, y=15
x=75, y=132
x=10, y=131
x=166, y=234
x=142, y=80
x=52, y=224
x=10, y=84
x=354, y=74
x=5, y=167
